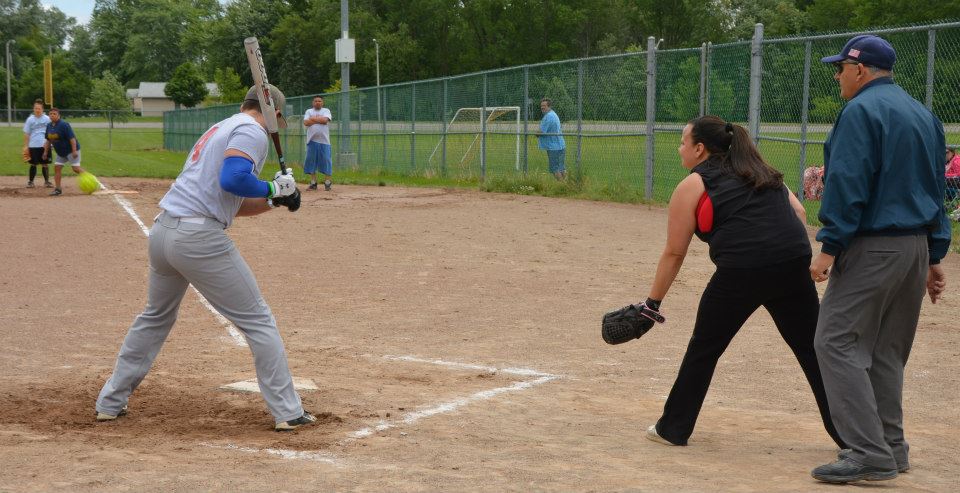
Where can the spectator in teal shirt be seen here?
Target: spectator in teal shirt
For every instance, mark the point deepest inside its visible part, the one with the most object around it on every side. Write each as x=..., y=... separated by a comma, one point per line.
x=551, y=139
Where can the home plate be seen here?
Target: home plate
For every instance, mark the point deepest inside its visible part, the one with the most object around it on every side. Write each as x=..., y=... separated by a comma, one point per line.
x=251, y=385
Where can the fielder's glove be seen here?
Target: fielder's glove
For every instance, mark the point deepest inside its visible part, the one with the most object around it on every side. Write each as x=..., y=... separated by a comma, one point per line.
x=630, y=322
x=291, y=202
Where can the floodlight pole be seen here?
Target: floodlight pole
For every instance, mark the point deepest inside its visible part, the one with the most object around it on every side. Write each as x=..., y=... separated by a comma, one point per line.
x=344, y=82
x=9, y=107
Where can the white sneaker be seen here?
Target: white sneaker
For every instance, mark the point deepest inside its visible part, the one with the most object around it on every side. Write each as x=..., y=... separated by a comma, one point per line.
x=652, y=435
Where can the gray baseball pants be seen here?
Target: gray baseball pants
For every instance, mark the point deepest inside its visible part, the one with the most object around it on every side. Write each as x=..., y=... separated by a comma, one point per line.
x=868, y=318
x=183, y=253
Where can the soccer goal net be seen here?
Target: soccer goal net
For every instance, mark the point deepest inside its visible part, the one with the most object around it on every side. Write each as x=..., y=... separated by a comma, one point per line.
x=465, y=130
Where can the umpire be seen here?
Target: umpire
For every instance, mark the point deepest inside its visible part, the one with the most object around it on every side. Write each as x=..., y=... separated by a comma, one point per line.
x=884, y=233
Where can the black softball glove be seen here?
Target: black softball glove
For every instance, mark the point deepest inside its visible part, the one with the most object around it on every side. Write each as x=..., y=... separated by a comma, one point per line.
x=629, y=322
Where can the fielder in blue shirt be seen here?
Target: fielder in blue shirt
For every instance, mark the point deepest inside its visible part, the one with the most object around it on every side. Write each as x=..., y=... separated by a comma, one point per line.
x=551, y=139
x=60, y=136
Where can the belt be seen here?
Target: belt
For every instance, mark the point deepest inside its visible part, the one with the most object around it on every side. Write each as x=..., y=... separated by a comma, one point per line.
x=170, y=221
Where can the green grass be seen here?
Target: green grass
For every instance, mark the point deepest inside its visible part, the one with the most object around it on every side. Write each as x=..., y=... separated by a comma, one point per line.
x=611, y=168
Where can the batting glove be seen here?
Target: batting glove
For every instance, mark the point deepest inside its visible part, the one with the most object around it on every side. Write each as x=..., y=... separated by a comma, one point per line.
x=282, y=184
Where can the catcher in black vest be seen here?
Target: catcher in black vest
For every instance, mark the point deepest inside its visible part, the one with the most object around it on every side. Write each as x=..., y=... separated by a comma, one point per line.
x=754, y=226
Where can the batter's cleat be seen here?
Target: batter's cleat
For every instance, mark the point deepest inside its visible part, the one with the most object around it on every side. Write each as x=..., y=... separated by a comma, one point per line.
x=654, y=436
x=293, y=424
x=327, y=185
x=47, y=184
x=847, y=470
x=56, y=191
x=110, y=417
x=313, y=186
x=30, y=184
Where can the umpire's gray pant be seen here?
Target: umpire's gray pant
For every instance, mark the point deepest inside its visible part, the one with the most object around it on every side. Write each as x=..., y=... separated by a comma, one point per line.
x=183, y=253
x=868, y=318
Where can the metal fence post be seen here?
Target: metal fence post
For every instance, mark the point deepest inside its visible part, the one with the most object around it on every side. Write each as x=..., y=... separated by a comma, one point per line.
x=703, y=78
x=706, y=82
x=443, y=135
x=651, y=114
x=756, y=77
x=526, y=114
x=110, y=131
x=359, y=128
x=413, y=127
x=483, y=132
x=804, y=115
x=579, y=117
x=931, y=54
x=383, y=130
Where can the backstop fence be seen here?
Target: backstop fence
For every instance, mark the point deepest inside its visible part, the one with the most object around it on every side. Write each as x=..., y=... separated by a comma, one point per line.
x=621, y=114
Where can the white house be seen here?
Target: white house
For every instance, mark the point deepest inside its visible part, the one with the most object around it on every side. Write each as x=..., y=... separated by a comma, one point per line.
x=150, y=100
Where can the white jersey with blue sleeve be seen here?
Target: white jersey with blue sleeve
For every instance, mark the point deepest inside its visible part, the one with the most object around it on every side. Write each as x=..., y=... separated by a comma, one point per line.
x=196, y=192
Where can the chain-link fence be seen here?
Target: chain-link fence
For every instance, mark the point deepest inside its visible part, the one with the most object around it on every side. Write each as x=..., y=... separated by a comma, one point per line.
x=105, y=130
x=621, y=115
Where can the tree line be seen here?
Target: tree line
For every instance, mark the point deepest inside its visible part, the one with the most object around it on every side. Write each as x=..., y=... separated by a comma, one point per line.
x=129, y=41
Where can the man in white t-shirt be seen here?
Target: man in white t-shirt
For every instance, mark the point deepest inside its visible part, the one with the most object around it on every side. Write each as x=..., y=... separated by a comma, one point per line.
x=34, y=136
x=317, y=120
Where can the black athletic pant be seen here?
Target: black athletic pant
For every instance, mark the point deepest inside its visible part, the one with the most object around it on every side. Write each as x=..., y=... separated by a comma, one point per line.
x=731, y=296
x=36, y=157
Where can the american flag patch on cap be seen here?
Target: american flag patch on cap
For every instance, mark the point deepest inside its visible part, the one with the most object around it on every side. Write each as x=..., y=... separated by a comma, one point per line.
x=854, y=52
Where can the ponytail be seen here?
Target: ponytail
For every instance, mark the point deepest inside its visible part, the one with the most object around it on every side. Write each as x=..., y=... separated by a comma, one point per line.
x=732, y=144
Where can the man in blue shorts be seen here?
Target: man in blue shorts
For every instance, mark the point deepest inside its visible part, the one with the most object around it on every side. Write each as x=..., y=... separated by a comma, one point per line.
x=317, y=120
x=551, y=139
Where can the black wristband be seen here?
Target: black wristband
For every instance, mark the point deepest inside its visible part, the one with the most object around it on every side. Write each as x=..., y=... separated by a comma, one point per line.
x=652, y=303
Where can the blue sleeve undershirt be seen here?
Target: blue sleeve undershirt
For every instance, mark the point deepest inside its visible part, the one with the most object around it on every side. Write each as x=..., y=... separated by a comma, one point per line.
x=237, y=177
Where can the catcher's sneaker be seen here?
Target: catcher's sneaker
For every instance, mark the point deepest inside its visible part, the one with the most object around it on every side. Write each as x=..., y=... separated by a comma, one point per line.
x=293, y=424
x=327, y=185
x=56, y=191
x=110, y=417
x=847, y=470
x=654, y=436
x=313, y=186
x=30, y=184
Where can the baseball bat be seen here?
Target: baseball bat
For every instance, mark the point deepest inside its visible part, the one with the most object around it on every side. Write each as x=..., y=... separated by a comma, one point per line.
x=259, y=72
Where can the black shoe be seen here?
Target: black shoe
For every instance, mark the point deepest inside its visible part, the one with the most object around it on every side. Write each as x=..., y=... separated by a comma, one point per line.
x=30, y=184
x=293, y=424
x=313, y=186
x=56, y=191
x=327, y=185
x=47, y=184
x=902, y=467
x=846, y=470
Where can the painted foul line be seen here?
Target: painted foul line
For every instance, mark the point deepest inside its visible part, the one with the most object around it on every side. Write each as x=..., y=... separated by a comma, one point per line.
x=283, y=453
x=450, y=406
x=235, y=334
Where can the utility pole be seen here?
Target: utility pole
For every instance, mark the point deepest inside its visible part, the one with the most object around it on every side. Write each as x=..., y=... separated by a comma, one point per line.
x=377, y=45
x=346, y=54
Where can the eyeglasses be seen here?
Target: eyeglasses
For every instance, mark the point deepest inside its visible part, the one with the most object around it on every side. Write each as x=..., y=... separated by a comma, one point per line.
x=839, y=65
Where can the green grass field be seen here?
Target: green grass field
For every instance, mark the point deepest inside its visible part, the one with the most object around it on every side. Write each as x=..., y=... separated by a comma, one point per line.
x=609, y=169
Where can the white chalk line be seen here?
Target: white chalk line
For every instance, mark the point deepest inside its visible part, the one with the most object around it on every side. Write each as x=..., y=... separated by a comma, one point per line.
x=282, y=453
x=467, y=366
x=235, y=334
x=446, y=407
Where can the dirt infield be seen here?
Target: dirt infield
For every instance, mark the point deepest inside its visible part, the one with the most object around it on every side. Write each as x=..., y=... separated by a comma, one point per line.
x=463, y=324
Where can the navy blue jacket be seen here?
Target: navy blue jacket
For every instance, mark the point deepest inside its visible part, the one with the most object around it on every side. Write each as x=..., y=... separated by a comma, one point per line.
x=883, y=173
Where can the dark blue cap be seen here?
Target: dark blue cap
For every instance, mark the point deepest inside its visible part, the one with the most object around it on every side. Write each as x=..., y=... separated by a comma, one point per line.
x=867, y=49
